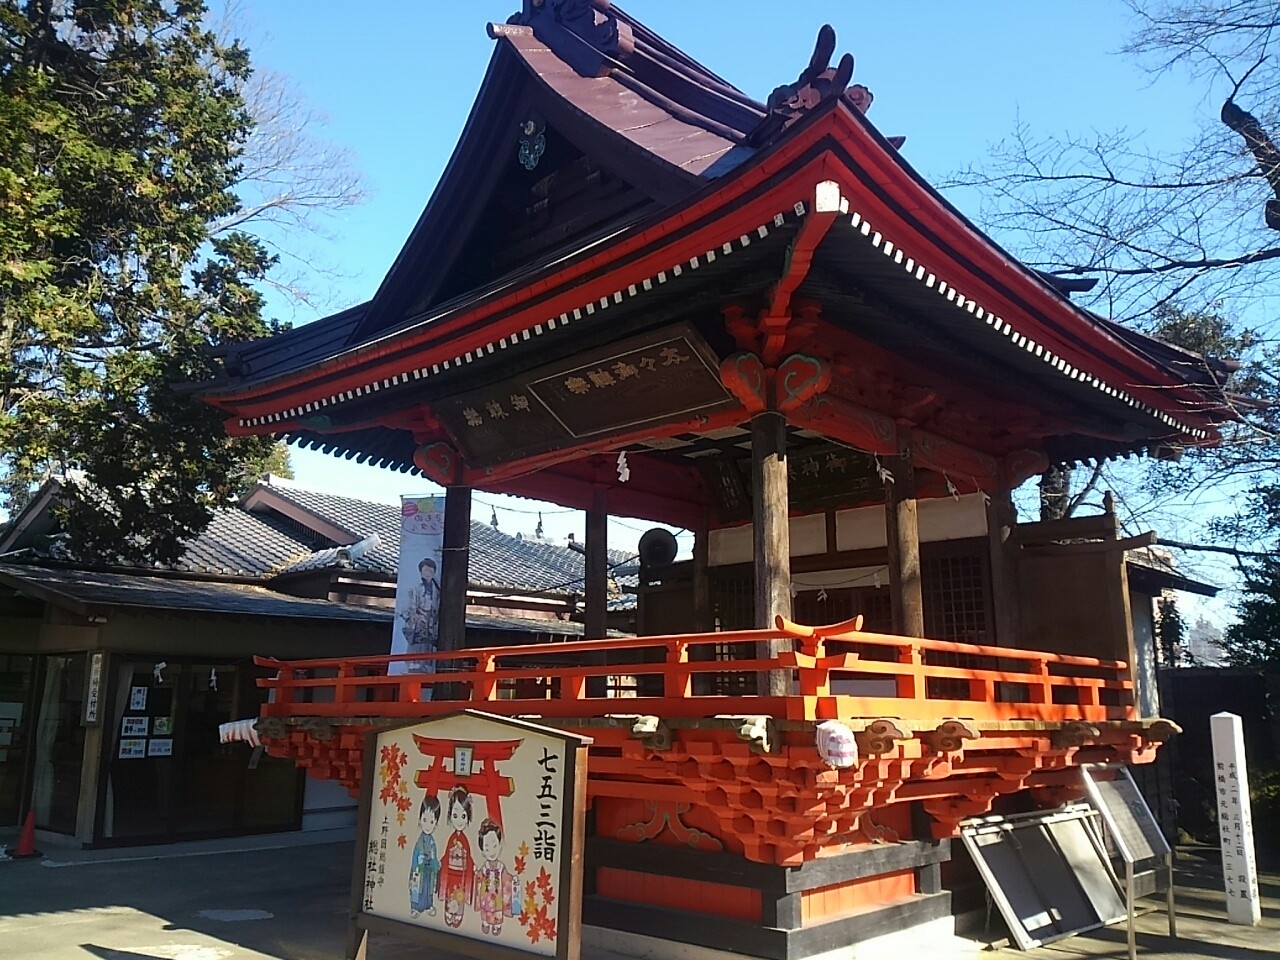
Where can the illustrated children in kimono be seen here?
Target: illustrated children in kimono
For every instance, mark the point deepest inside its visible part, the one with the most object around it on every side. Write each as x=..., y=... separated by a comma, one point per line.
x=457, y=868
x=495, y=889
x=424, y=865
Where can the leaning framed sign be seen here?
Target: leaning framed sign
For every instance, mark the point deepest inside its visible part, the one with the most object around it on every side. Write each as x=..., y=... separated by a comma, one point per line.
x=471, y=837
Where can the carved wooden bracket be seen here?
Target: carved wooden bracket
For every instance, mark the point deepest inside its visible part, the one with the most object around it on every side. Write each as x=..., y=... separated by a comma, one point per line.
x=1161, y=730
x=318, y=727
x=740, y=321
x=744, y=376
x=881, y=736
x=796, y=381
x=1074, y=734
x=799, y=379
x=950, y=735
x=439, y=462
x=653, y=733
x=760, y=733
x=667, y=816
x=1022, y=465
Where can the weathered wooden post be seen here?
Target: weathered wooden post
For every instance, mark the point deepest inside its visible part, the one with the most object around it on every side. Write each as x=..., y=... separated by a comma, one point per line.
x=902, y=530
x=771, y=533
x=454, y=572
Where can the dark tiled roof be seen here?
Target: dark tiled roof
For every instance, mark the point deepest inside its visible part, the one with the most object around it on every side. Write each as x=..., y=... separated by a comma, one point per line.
x=359, y=518
x=99, y=589
x=237, y=543
x=89, y=590
x=497, y=560
x=1154, y=570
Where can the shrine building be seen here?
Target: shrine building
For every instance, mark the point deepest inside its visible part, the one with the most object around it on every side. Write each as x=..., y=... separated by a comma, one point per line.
x=639, y=292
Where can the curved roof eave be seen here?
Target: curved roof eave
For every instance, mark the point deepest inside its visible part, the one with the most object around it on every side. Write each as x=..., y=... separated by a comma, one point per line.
x=878, y=177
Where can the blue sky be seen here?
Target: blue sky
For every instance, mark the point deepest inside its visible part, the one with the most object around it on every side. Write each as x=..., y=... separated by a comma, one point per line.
x=396, y=82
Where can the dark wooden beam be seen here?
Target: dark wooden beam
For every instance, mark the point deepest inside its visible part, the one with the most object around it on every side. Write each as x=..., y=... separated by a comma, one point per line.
x=771, y=532
x=1002, y=517
x=903, y=538
x=453, y=573
x=597, y=579
x=702, y=616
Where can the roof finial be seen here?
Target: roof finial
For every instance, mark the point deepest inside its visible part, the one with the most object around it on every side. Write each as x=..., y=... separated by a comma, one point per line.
x=818, y=82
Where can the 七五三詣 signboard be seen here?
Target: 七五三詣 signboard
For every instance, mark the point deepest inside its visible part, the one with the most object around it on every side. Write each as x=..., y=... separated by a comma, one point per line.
x=472, y=836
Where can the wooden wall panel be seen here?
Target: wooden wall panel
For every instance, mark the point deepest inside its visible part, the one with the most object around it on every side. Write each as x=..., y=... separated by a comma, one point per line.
x=700, y=896
x=825, y=903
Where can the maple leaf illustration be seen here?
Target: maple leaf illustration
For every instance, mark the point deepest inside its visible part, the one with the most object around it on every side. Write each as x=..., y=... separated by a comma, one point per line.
x=530, y=890
x=550, y=930
x=544, y=880
x=400, y=818
x=401, y=841
x=523, y=850
x=519, y=864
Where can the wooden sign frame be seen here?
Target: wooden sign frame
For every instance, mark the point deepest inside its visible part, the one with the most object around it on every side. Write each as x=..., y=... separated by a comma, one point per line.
x=489, y=429
x=571, y=845
x=1154, y=846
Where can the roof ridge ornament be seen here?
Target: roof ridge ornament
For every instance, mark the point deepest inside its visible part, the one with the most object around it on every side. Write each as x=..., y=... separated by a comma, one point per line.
x=558, y=22
x=817, y=83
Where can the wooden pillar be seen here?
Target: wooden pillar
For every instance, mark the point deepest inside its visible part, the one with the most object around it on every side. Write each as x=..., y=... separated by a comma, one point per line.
x=903, y=539
x=597, y=579
x=771, y=534
x=702, y=618
x=1002, y=517
x=454, y=571
x=596, y=621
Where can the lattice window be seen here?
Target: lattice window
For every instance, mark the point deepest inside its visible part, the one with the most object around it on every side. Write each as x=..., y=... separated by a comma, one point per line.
x=733, y=605
x=955, y=608
x=955, y=598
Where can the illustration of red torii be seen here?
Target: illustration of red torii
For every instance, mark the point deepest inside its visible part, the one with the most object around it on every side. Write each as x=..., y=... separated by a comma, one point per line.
x=488, y=782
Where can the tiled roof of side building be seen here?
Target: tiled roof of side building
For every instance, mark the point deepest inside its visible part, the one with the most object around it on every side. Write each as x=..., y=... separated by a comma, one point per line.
x=93, y=589
x=237, y=543
x=497, y=559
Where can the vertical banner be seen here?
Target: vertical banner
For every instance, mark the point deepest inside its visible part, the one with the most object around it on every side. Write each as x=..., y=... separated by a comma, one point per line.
x=471, y=836
x=417, y=623
x=1235, y=823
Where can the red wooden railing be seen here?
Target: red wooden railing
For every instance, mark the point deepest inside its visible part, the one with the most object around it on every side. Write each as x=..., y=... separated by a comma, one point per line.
x=836, y=672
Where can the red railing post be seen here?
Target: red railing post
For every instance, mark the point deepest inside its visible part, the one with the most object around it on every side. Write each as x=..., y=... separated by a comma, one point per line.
x=677, y=681
x=486, y=684
x=911, y=680
x=344, y=690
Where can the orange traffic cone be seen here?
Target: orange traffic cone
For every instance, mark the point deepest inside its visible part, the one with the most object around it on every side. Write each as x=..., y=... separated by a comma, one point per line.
x=27, y=840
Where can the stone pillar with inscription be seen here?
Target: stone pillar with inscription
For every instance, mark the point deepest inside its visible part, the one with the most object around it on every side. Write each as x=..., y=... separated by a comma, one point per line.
x=1235, y=822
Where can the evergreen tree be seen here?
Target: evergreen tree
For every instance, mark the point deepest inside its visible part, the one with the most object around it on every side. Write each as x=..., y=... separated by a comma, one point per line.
x=122, y=130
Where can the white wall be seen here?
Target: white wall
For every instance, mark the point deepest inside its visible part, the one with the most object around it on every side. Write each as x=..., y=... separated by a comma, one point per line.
x=941, y=518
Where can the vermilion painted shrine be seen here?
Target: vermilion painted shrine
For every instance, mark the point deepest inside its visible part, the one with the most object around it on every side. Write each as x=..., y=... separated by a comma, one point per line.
x=818, y=365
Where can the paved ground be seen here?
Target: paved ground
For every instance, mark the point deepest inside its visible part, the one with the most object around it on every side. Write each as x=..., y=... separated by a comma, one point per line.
x=285, y=898
x=1203, y=930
